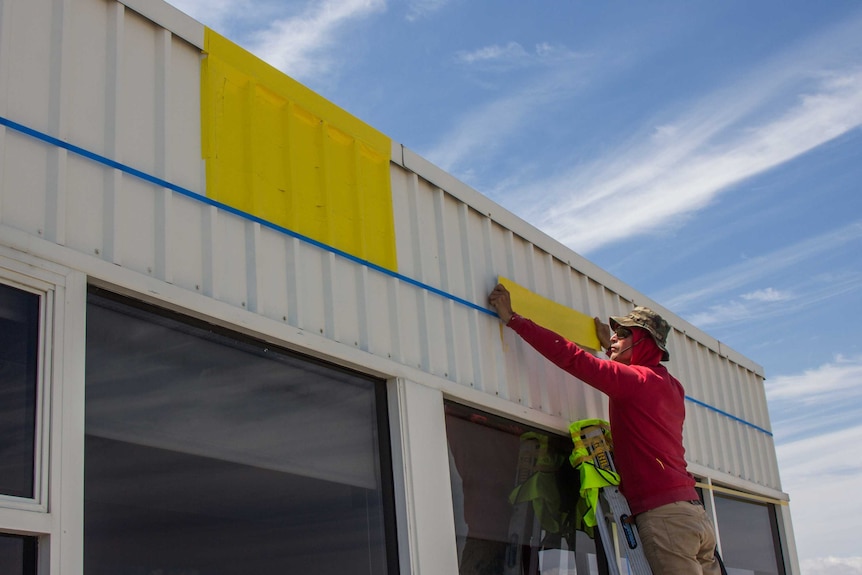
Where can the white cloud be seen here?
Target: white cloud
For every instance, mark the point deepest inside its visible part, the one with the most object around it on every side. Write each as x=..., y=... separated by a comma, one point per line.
x=495, y=52
x=767, y=295
x=720, y=314
x=747, y=307
x=822, y=475
x=295, y=45
x=511, y=55
x=832, y=566
x=690, y=294
x=417, y=9
x=816, y=421
x=837, y=382
x=670, y=177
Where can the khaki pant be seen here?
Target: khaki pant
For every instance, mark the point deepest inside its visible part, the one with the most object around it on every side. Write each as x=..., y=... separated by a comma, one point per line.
x=678, y=539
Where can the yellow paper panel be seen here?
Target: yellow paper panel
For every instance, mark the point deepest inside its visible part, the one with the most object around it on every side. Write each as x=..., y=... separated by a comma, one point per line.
x=573, y=325
x=275, y=149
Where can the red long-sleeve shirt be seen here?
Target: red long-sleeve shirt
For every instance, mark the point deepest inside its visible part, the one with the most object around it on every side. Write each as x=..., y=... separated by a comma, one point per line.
x=647, y=410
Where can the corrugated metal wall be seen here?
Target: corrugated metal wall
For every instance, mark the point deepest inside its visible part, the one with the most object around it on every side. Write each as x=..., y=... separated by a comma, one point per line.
x=100, y=151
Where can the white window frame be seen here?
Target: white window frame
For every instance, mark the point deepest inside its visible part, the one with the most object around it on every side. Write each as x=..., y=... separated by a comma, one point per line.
x=46, y=293
x=55, y=512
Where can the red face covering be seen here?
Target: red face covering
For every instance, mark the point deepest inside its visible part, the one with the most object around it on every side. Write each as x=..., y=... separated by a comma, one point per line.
x=645, y=351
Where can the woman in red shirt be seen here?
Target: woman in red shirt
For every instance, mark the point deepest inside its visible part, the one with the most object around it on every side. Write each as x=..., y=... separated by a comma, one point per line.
x=646, y=413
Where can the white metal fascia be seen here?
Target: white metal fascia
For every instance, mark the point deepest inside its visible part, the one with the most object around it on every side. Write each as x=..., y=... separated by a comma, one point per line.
x=179, y=23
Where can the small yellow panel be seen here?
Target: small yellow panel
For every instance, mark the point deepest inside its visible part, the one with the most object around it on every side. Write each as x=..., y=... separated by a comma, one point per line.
x=277, y=150
x=572, y=325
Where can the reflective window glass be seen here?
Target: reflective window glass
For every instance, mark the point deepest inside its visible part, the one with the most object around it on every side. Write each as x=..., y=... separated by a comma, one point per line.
x=19, y=356
x=17, y=555
x=492, y=459
x=207, y=454
x=749, y=537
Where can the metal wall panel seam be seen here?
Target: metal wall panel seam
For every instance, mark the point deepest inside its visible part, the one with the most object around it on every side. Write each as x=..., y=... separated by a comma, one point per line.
x=395, y=351
x=692, y=367
x=437, y=199
x=328, y=293
x=252, y=268
x=451, y=336
x=744, y=450
x=449, y=333
x=112, y=178
x=508, y=234
x=2, y=164
x=495, y=373
x=210, y=247
x=295, y=294
x=694, y=438
x=463, y=211
x=162, y=234
x=721, y=396
x=366, y=335
x=5, y=50
x=424, y=359
x=414, y=242
x=162, y=238
x=55, y=197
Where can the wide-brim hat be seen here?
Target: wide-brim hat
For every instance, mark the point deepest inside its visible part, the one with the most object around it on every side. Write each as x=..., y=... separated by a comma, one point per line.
x=653, y=323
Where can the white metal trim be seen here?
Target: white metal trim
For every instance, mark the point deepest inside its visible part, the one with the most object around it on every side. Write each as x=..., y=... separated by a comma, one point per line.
x=426, y=518
x=165, y=15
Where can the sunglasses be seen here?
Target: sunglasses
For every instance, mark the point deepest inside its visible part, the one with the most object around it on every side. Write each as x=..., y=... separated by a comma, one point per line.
x=622, y=332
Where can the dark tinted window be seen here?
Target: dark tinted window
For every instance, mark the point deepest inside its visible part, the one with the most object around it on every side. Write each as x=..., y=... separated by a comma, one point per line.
x=19, y=356
x=749, y=536
x=207, y=454
x=17, y=555
x=491, y=457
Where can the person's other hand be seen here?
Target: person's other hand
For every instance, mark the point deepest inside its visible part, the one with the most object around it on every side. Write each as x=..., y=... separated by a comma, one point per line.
x=501, y=302
x=603, y=331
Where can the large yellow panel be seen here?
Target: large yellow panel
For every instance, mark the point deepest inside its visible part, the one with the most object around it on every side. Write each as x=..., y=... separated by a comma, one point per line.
x=570, y=324
x=275, y=149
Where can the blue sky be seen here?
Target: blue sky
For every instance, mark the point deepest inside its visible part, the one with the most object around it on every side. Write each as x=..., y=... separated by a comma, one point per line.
x=709, y=154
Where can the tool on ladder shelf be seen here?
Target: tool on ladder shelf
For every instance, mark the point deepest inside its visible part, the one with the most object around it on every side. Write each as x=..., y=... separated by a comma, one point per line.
x=593, y=455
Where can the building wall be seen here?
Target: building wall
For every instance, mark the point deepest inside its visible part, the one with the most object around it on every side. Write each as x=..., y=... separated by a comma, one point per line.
x=108, y=176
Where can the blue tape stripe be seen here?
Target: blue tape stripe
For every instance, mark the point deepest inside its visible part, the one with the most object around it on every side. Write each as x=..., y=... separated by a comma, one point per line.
x=726, y=414
x=190, y=194
x=245, y=215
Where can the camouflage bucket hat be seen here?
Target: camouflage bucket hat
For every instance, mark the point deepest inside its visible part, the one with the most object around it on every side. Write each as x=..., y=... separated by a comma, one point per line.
x=649, y=320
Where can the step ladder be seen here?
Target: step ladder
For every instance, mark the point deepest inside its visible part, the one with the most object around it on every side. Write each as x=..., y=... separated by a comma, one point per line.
x=619, y=536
